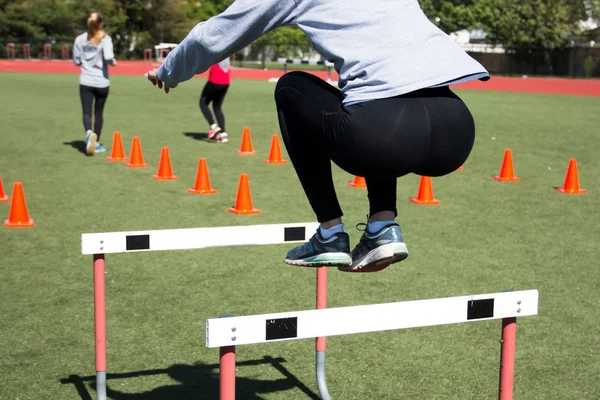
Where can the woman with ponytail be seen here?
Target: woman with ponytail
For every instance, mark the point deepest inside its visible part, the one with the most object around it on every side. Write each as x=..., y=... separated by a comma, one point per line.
x=93, y=51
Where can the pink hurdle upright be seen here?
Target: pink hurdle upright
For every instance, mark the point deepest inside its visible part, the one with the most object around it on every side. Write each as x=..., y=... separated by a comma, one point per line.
x=100, y=325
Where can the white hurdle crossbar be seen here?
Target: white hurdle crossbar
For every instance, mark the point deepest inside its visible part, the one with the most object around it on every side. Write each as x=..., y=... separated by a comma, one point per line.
x=226, y=333
x=195, y=238
x=100, y=244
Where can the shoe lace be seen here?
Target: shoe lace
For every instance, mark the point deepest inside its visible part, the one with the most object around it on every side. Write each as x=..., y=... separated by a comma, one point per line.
x=362, y=226
x=361, y=246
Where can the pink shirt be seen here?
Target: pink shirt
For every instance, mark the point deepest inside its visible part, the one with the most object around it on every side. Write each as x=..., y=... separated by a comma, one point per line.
x=220, y=73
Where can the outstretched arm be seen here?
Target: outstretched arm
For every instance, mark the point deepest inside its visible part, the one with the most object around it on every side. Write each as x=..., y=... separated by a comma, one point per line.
x=108, y=52
x=222, y=35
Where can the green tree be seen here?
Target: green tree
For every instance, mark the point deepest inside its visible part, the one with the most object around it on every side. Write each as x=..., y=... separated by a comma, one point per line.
x=545, y=24
x=539, y=23
x=198, y=11
x=17, y=21
x=593, y=8
x=453, y=15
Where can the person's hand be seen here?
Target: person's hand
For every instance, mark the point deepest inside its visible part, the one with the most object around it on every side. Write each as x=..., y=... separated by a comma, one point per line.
x=114, y=62
x=153, y=77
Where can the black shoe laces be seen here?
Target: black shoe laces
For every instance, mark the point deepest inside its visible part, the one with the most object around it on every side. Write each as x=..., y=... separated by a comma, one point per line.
x=361, y=247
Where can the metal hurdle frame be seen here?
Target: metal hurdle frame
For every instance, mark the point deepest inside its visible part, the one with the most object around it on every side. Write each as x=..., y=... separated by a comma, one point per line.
x=227, y=333
x=100, y=244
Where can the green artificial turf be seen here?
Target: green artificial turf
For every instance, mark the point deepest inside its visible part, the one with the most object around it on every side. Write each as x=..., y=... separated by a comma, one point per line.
x=484, y=237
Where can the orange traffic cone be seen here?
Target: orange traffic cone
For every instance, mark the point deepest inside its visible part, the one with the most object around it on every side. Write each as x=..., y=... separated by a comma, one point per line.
x=3, y=196
x=507, y=172
x=425, y=195
x=359, y=182
x=243, y=203
x=571, y=185
x=118, y=154
x=202, y=180
x=18, y=216
x=275, y=152
x=165, y=172
x=136, y=158
x=246, y=146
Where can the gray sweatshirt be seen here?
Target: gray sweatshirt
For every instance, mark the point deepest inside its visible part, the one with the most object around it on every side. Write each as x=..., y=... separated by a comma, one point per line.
x=94, y=60
x=380, y=48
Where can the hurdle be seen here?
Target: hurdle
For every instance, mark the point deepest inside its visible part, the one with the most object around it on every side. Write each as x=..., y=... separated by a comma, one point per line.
x=65, y=51
x=100, y=244
x=147, y=55
x=47, y=48
x=10, y=51
x=26, y=51
x=328, y=65
x=227, y=333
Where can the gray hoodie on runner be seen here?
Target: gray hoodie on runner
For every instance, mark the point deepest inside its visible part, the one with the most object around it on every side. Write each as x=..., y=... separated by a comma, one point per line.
x=380, y=48
x=94, y=60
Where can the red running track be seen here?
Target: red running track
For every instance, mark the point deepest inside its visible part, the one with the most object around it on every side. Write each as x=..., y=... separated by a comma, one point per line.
x=579, y=87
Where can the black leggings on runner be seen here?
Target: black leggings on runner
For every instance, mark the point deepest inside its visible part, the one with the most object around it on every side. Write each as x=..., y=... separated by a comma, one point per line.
x=429, y=132
x=213, y=93
x=88, y=94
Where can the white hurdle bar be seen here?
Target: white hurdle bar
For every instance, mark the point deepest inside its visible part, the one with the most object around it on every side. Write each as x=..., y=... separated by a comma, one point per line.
x=100, y=244
x=226, y=333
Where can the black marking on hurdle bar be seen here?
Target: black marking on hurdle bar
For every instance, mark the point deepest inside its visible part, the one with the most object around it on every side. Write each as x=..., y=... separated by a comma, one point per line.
x=281, y=328
x=479, y=309
x=137, y=242
x=294, y=234
x=291, y=61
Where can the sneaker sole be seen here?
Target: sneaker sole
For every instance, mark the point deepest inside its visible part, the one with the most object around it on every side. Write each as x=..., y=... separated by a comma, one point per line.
x=327, y=260
x=380, y=258
x=90, y=149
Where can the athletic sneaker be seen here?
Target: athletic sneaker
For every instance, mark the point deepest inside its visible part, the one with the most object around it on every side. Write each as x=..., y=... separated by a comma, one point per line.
x=222, y=138
x=318, y=251
x=376, y=251
x=213, y=131
x=100, y=148
x=90, y=143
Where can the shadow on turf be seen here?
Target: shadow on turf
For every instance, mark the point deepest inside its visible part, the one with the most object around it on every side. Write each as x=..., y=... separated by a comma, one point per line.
x=199, y=136
x=198, y=381
x=78, y=145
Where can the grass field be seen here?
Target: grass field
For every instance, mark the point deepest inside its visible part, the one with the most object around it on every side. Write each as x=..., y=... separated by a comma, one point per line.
x=484, y=237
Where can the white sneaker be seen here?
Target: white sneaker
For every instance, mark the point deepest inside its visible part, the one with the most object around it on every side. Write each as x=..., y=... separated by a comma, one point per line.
x=90, y=143
x=213, y=131
x=222, y=137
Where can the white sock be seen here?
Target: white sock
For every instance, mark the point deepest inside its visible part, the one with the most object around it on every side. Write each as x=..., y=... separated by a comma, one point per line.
x=214, y=126
x=327, y=233
x=375, y=226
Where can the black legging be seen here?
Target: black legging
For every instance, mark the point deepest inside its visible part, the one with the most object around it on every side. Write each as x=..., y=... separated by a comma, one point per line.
x=88, y=94
x=429, y=132
x=216, y=94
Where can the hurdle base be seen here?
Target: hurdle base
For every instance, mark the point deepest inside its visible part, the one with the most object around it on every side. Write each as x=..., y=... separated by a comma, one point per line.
x=101, y=385
x=321, y=381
